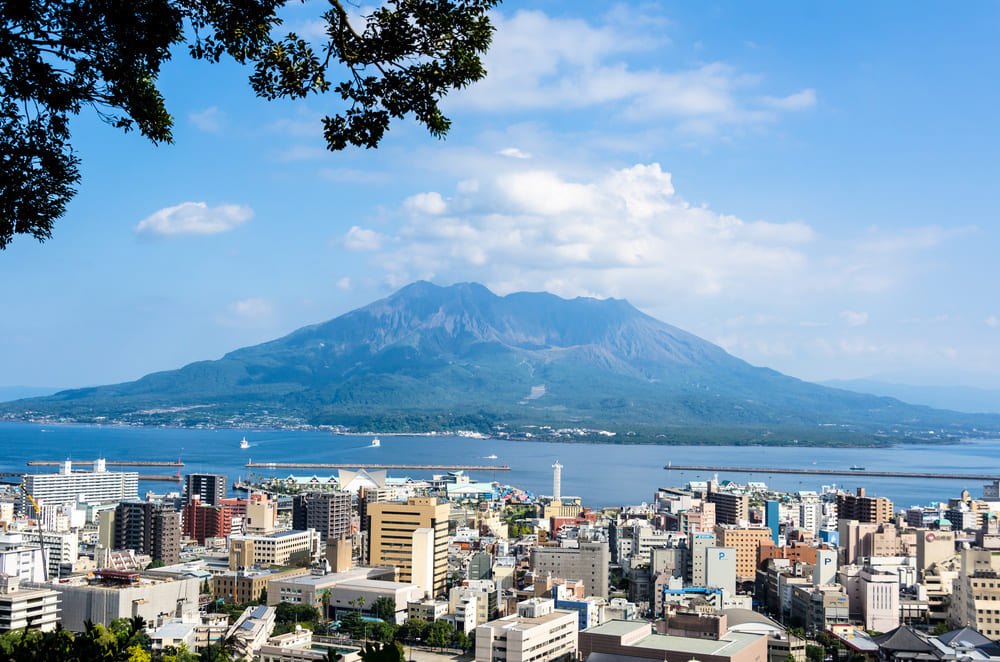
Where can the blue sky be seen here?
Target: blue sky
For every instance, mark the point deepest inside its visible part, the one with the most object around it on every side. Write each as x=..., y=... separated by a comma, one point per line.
x=810, y=186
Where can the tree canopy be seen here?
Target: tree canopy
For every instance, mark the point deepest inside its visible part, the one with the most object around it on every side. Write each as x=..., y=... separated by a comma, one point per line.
x=59, y=57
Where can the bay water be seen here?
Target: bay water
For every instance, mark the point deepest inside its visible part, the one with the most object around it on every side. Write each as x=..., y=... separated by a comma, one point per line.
x=602, y=474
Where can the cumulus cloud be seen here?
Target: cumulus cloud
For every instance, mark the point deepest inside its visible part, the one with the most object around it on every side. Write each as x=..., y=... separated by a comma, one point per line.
x=344, y=283
x=543, y=62
x=361, y=239
x=210, y=120
x=854, y=318
x=624, y=233
x=193, y=218
x=992, y=321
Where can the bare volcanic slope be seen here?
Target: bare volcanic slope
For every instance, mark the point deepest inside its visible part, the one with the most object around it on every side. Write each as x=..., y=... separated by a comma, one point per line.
x=430, y=357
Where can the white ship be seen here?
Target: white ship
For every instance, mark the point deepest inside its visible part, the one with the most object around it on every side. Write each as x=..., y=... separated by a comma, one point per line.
x=376, y=443
x=244, y=444
x=491, y=457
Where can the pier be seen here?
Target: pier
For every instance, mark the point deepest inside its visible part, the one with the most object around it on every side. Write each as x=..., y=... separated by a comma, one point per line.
x=164, y=478
x=355, y=465
x=109, y=463
x=830, y=472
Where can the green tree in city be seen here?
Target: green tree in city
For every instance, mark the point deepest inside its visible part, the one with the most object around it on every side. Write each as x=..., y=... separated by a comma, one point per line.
x=413, y=629
x=440, y=633
x=385, y=608
x=59, y=57
x=385, y=631
x=379, y=652
x=815, y=653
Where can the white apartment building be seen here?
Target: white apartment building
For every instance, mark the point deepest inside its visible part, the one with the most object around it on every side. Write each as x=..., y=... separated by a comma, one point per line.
x=538, y=633
x=36, y=608
x=68, y=486
x=60, y=548
x=272, y=549
x=19, y=560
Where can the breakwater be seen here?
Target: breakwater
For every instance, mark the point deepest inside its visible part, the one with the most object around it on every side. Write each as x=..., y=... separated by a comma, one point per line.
x=109, y=463
x=831, y=472
x=362, y=465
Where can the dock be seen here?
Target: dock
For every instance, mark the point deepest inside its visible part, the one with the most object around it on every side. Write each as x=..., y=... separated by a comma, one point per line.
x=109, y=463
x=831, y=472
x=405, y=467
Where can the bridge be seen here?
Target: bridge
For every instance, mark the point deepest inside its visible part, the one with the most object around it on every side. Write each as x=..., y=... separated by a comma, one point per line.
x=830, y=472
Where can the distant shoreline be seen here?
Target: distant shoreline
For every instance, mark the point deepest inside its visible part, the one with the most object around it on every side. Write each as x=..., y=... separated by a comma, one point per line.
x=618, y=440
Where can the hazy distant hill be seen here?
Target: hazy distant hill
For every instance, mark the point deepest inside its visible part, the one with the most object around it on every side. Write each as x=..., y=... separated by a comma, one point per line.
x=432, y=357
x=957, y=398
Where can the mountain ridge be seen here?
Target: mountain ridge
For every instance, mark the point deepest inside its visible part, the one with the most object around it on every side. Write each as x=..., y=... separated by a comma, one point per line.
x=431, y=357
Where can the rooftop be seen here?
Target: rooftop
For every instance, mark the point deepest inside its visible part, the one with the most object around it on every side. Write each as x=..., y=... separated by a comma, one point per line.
x=729, y=645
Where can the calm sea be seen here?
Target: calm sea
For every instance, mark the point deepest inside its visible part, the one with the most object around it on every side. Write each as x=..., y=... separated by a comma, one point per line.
x=603, y=474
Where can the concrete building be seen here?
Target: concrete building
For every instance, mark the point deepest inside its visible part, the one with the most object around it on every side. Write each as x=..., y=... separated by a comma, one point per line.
x=772, y=519
x=536, y=633
x=108, y=594
x=251, y=631
x=343, y=595
x=310, y=589
x=62, y=549
x=589, y=562
x=33, y=608
x=394, y=526
x=864, y=509
x=68, y=486
x=209, y=488
x=482, y=596
x=975, y=599
x=873, y=597
x=720, y=568
x=18, y=559
x=698, y=542
x=730, y=509
x=329, y=513
x=148, y=527
x=247, y=551
x=636, y=639
x=202, y=521
x=746, y=542
x=245, y=585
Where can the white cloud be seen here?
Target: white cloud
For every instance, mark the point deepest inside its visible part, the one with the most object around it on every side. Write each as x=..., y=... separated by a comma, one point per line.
x=344, y=283
x=992, y=321
x=854, y=318
x=360, y=239
x=797, y=101
x=625, y=233
x=210, y=120
x=514, y=153
x=426, y=203
x=543, y=62
x=193, y=218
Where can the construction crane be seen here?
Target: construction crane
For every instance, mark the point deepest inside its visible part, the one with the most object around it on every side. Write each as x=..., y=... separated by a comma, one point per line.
x=38, y=520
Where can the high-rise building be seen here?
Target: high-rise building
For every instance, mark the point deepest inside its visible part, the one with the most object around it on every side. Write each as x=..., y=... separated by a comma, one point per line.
x=720, y=568
x=210, y=488
x=557, y=481
x=391, y=537
x=864, y=509
x=28, y=608
x=731, y=509
x=329, y=513
x=149, y=527
x=589, y=562
x=698, y=542
x=68, y=486
x=746, y=542
x=772, y=519
x=203, y=521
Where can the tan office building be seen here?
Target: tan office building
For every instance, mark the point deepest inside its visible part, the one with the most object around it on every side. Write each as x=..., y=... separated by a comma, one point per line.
x=391, y=539
x=746, y=542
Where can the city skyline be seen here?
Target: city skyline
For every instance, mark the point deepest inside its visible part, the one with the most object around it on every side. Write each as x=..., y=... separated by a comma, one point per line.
x=807, y=187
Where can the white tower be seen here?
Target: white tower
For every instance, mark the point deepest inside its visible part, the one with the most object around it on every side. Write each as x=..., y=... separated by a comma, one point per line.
x=556, y=481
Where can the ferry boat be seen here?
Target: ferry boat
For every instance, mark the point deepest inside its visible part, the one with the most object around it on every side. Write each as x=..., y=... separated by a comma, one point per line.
x=376, y=443
x=244, y=444
x=491, y=457
x=857, y=468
